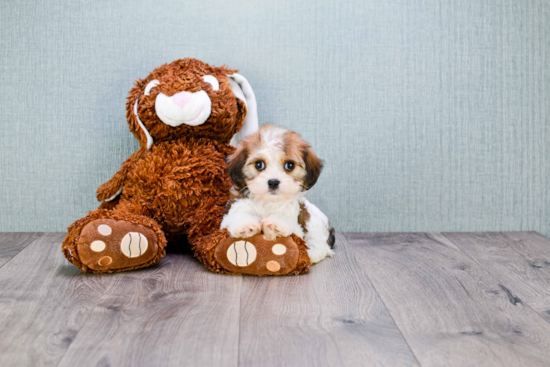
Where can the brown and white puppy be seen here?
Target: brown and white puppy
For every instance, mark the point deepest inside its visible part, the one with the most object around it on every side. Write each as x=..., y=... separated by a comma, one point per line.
x=271, y=171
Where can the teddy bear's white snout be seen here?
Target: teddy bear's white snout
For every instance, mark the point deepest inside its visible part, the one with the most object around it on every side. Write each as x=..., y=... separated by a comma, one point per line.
x=183, y=108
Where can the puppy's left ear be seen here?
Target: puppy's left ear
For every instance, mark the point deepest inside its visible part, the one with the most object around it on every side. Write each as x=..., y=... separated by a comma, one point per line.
x=314, y=166
x=243, y=91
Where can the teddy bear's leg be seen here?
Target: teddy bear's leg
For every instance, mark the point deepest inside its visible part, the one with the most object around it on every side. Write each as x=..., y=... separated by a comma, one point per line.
x=255, y=255
x=107, y=241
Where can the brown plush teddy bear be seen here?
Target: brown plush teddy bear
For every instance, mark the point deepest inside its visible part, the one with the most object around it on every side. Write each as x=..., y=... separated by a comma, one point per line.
x=174, y=189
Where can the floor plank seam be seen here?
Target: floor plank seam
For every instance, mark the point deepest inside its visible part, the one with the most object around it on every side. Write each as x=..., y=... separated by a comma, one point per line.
x=23, y=249
x=240, y=318
x=74, y=338
x=384, y=303
x=83, y=325
x=393, y=319
x=90, y=319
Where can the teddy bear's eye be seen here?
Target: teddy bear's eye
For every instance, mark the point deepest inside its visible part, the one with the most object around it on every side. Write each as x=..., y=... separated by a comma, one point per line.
x=212, y=81
x=151, y=85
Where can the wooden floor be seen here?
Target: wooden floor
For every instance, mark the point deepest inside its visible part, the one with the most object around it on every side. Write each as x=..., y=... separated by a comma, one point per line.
x=423, y=299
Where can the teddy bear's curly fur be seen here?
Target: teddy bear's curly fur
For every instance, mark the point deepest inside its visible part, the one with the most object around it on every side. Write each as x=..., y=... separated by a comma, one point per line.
x=176, y=189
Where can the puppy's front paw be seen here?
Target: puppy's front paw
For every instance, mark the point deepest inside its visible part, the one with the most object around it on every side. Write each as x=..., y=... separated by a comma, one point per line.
x=273, y=228
x=245, y=230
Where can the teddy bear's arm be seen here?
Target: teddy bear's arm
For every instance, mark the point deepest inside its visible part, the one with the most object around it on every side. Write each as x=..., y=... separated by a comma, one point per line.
x=111, y=188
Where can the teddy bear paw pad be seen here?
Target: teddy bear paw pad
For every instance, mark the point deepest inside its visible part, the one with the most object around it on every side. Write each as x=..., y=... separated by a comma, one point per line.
x=257, y=255
x=109, y=244
x=241, y=253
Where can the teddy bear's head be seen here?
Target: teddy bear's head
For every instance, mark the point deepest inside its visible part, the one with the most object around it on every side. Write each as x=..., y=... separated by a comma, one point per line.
x=191, y=99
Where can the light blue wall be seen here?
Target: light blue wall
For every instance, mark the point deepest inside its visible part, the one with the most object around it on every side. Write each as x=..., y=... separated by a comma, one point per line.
x=431, y=115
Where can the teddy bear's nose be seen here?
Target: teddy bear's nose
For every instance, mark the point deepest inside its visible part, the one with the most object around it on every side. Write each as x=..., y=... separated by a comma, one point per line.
x=182, y=98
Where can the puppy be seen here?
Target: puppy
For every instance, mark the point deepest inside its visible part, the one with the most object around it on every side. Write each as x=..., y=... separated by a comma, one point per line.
x=271, y=171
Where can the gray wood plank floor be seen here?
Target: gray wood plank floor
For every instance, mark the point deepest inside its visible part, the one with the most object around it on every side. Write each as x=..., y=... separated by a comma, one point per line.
x=12, y=243
x=404, y=299
x=330, y=317
x=519, y=260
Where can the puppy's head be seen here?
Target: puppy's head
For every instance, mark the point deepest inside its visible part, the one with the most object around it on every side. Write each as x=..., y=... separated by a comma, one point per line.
x=274, y=164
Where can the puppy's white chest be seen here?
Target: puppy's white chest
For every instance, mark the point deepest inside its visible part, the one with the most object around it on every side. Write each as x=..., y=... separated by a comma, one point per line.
x=284, y=210
x=288, y=208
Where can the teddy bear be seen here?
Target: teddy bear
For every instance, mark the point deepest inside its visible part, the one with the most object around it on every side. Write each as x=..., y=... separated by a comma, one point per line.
x=174, y=189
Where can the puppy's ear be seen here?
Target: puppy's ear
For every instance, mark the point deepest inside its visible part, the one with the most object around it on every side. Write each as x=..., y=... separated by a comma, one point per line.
x=235, y=165
x=314, y=166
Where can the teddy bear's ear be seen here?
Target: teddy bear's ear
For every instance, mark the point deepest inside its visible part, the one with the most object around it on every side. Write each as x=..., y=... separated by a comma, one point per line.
x=243, y=91
x=142, y=126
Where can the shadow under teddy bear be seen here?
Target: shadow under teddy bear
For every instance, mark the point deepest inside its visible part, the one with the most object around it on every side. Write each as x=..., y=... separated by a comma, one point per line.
x=175, y=187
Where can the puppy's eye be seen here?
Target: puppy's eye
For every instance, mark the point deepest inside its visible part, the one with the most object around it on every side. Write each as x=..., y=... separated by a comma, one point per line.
x=289, y=166
x=212, y=81
x=151, y=85
x=260, y=165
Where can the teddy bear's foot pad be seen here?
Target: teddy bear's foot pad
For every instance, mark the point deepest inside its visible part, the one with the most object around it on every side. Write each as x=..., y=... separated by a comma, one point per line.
x=108, y=244
x=257, y=255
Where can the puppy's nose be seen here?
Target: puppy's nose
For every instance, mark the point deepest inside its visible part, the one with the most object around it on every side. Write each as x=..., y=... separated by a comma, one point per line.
x=182, y=98
x=273, y=184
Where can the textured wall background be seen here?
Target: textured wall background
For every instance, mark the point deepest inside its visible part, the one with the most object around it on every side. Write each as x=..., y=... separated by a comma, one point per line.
x=431, y=114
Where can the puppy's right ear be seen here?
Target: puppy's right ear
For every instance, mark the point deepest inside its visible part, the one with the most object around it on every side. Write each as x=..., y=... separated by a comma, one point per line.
x=235, y=166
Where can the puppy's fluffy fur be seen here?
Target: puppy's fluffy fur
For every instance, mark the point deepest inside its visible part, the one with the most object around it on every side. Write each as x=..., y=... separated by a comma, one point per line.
x=271, y=171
